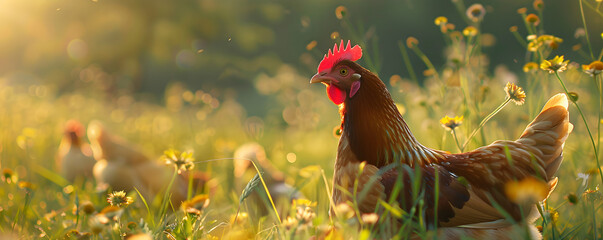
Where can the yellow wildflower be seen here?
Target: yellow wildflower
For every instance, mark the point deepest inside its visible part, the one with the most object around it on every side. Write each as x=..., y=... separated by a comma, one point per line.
x=119, y=198
x=340, y=12
x=533, y=19
x=196, y=205
x=412, y=42
x=530, y=67
x=554, y=65
x=527, y=190
x=476, y=12
x=470, y=31
x=594, y=68
x=451, y=123
x=182, y=161
x=441, y=20
x=515, y=93
x=513, y=29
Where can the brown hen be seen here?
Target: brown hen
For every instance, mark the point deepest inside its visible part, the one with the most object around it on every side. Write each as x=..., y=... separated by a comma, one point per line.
x=122, y=166
x=470, y=184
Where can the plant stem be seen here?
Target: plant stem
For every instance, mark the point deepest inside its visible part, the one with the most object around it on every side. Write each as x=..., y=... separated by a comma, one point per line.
x=456, y=140
x=407, y=62
x=599, y=110
x=590, y=48
x=585, y=124
x=483, y=122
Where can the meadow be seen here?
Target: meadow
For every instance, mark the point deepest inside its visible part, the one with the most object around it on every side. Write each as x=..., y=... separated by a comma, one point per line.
x=275, y=107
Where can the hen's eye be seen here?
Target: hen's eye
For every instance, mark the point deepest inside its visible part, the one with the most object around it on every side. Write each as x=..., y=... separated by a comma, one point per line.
x=343, y=72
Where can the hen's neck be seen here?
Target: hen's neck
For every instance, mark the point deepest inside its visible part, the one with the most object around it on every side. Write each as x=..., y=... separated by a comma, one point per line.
x=376, y=131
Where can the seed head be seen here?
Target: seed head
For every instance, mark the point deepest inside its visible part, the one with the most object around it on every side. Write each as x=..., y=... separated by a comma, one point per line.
x=476, y=12
x=533, y=19
x=412, y=42
x=119, y=199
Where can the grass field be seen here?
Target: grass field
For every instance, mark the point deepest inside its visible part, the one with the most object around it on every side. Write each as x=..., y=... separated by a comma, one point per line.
x=298, y=133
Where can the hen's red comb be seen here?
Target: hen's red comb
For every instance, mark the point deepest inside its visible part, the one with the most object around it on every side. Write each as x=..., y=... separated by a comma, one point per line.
x=337, y=55
x=73, y=126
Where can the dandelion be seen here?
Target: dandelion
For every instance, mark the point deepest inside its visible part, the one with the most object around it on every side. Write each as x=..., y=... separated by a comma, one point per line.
x=538, y=4
x=196, y=205
x=533, y=19
x=513, y=29
x=451, y=123
x=530, y=67
x=340, y=12
x=515, y=93
x=554, y=65
x=411, y=42
x=470, y=31
x=441, y=20
x=119, y=199
x=593, y=69
x=182, y=161
x=526, y=190
x=476, y=12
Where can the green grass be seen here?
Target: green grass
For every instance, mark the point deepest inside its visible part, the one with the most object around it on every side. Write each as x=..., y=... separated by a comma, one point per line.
x=297, y=132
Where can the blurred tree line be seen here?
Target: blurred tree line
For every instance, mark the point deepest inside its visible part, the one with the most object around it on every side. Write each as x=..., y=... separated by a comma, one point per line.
x=140, y=46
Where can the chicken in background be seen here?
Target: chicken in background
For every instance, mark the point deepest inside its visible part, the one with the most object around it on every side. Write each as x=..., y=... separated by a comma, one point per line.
x=374, y=132
x=74, y=157
x=122, y=166
x=282, y=193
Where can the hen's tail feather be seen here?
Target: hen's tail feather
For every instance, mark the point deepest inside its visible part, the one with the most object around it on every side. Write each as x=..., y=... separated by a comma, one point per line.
x=548, y=132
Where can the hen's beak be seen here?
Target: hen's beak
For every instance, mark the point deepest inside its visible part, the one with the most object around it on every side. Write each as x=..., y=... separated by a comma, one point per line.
x=320, y=78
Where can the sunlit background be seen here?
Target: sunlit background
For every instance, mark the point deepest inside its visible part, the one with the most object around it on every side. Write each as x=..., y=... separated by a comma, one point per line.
x=211, y=75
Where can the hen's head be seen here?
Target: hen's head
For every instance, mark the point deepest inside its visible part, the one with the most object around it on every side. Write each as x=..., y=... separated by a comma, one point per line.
x=339, y=73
